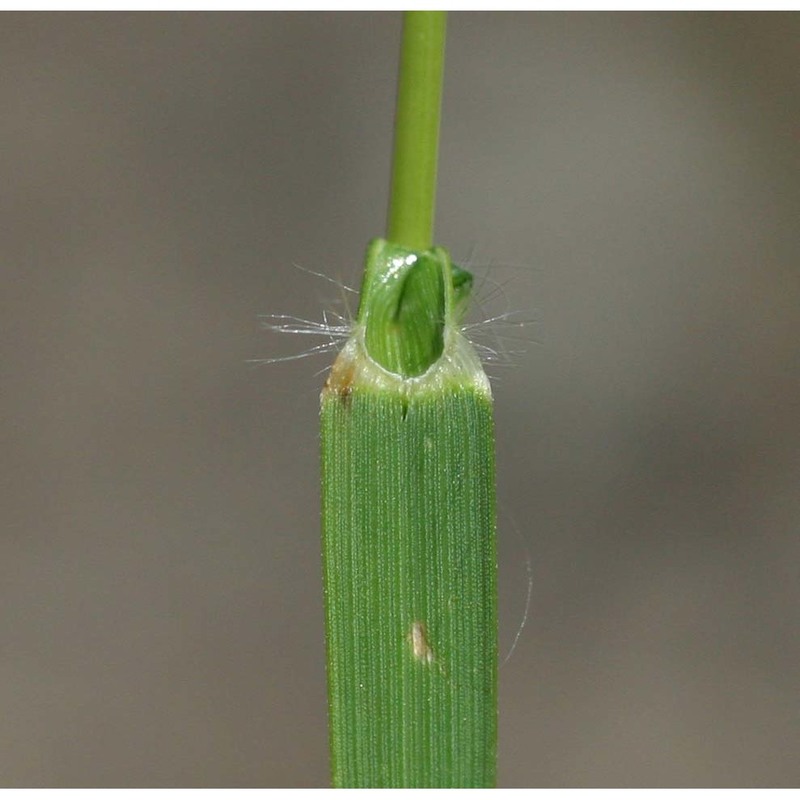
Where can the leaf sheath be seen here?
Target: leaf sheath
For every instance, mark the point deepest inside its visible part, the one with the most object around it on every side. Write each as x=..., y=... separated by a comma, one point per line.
x=410, y=587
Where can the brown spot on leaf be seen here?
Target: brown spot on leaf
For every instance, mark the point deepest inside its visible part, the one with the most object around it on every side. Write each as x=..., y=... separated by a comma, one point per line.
x=420, y=647
x=340, y=380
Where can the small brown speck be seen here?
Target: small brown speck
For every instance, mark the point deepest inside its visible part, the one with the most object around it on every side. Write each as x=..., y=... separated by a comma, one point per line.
x=418, y=637
x=340, y=380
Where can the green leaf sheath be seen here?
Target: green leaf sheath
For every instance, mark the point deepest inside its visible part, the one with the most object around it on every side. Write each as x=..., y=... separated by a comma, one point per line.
x=403, y=307
x=409, y=542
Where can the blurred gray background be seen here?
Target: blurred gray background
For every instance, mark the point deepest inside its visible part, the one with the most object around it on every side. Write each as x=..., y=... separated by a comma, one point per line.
x=629, y=180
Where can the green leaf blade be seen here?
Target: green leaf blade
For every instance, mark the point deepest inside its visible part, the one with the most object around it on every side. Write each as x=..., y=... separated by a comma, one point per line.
x=410, y=577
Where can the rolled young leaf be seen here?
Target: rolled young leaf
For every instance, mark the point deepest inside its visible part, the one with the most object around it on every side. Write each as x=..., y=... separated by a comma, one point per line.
x=409, y=549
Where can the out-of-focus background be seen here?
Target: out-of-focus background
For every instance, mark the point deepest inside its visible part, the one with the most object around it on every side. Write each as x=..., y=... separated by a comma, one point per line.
x=628, y=181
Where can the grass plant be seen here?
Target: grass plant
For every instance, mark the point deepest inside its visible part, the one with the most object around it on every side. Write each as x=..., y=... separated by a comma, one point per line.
x=408, y=502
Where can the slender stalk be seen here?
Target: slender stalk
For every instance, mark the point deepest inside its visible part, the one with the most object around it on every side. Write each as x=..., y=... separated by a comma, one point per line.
x=416, y=142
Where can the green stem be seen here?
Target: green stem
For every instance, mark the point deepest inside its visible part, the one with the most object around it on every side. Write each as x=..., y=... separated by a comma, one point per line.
x=416, y=142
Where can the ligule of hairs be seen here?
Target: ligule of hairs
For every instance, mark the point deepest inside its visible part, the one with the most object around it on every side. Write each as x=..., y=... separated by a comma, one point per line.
x=489, y=336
